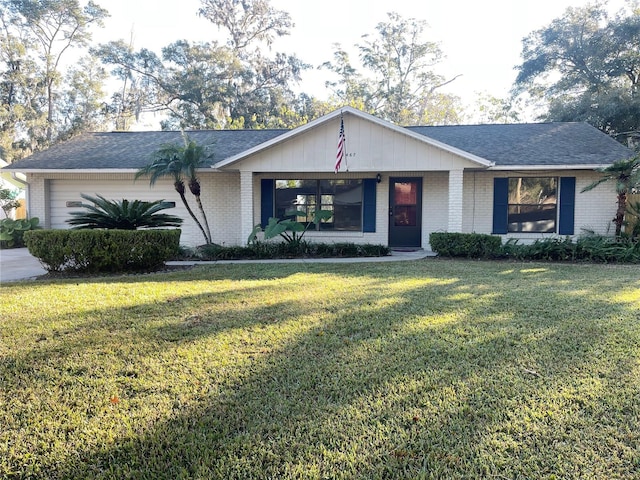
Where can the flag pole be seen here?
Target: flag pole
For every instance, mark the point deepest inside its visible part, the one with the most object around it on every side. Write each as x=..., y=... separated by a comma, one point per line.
x=340, y=152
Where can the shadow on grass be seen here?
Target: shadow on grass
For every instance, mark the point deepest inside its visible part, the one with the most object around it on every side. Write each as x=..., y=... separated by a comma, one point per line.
x=409, y=374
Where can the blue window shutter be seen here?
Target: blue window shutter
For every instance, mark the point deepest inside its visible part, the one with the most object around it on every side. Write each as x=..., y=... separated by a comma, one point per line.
x=567, y=205
x=500, y=205
x=266, y=200
x=369, y=205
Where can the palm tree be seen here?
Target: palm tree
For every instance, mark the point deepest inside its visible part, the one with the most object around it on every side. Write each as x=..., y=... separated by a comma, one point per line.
x=168, y=162
x=626, y=174
x=192, y=159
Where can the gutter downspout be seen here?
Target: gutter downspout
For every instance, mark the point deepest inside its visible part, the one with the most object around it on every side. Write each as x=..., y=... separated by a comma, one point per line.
x=24, y=183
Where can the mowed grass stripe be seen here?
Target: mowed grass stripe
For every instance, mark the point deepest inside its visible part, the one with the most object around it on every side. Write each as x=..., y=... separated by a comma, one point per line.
x=433, y=369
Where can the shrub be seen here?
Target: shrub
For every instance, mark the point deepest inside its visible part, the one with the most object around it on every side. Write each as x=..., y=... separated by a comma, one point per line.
x=12, y=231
x=596, y=248
x=346, y=250
x=553, y=249
x=9, y=200
x=470, y=245
x=214, y=251
x=267, y=250
x=98, y=251
x=591, y=248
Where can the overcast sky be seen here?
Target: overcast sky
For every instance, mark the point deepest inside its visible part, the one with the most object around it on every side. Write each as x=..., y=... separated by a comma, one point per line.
x=482, y=39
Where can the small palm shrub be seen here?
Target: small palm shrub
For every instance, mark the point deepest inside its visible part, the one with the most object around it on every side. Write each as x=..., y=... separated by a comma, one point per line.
x=587, y=248
x=122, y=214
x=291, y=231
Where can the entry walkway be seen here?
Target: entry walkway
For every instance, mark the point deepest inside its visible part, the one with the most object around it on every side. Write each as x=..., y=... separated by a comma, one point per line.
x=19, y=264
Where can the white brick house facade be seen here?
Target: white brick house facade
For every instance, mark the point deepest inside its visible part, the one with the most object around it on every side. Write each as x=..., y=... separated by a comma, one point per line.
x=458, y=188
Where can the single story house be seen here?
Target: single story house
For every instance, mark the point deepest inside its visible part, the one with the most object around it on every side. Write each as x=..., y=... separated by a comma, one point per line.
x=395, y=186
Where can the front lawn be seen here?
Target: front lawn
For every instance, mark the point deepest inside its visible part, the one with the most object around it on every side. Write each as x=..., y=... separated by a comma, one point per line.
x=429, y=369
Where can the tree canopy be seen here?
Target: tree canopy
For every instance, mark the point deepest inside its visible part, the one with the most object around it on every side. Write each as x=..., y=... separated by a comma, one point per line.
x=214, y=84
x=39, y=105
x=397, y=80
x=585, y=66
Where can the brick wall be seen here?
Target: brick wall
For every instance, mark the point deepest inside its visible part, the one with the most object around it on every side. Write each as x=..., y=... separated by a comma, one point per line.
x=36, y=199
x=594, y=210
x=221, y=197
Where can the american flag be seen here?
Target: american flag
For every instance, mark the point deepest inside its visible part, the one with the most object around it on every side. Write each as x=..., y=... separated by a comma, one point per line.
x=341, y=145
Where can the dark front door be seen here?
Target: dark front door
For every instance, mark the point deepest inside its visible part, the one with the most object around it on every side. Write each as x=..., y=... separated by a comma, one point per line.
x=405, y=212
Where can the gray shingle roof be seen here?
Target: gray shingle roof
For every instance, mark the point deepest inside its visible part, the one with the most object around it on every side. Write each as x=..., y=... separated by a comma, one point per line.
x=525, y=144
x=133, y=150
x=553, y=144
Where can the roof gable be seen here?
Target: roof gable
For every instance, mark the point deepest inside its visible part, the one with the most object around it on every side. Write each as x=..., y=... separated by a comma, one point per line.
x=371, y=145
x=346, y=112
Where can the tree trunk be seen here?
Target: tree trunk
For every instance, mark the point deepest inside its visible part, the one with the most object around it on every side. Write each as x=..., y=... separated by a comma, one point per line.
x=179, y=186
x=49, y=111
x=194, y=187
x=204, y=216
x=622, y=207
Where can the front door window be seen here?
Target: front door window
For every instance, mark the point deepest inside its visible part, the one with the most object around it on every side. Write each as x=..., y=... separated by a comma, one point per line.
x=406, y=204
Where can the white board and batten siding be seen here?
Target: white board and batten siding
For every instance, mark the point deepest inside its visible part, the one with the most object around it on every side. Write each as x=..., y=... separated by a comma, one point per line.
x=371, y=147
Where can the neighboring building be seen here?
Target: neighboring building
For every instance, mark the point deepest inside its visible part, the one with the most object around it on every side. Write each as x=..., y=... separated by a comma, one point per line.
x=395, y=187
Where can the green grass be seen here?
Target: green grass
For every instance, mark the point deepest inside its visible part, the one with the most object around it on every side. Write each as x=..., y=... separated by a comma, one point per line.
x=430, y=369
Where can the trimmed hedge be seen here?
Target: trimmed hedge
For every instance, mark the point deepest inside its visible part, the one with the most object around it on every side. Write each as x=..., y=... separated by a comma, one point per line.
x=269, y=250
x=588, y=248
x=470, y=245
x=99, y=251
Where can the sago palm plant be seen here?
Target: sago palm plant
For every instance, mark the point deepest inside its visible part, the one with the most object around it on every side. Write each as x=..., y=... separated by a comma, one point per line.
x=122, y=214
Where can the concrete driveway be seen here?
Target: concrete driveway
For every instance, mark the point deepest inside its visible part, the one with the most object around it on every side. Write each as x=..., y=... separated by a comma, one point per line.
x=18, y=264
